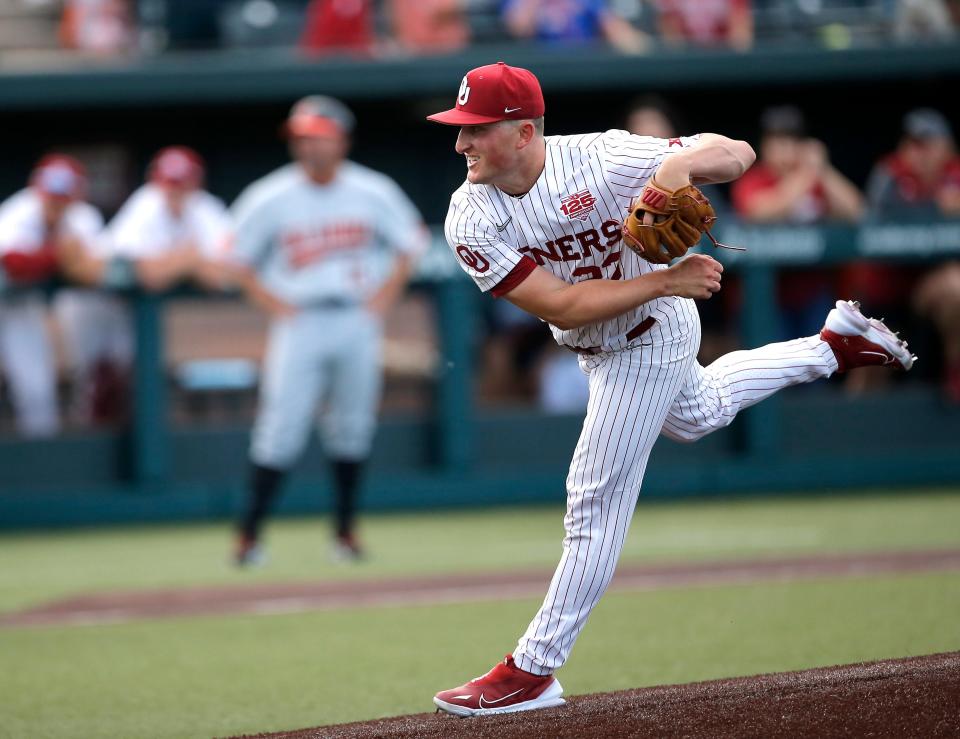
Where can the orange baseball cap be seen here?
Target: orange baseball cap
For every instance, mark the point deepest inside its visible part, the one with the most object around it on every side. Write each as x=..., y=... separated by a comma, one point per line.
x=321, y=116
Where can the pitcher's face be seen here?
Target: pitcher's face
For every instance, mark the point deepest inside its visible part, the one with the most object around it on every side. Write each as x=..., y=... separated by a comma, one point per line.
x=490, y=149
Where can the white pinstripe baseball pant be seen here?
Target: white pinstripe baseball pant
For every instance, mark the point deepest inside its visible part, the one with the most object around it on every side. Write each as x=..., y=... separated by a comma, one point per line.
x=635, y=395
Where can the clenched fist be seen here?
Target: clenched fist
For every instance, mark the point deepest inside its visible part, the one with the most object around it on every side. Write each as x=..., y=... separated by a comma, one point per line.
x=696, y=276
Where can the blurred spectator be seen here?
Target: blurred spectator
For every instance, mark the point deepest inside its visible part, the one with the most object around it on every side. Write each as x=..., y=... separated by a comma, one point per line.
x=35, y=225
x=103, y=27
x=169, y=230
x=919, y=181
x=429, y=26
x=922, y=19
x=511, y=354
x=572, y=21
x=651, y=115
x=794, y=182
x=938, y=298
x=339, y=26
x=706, y=23
x=563, y=387
x=260, y=23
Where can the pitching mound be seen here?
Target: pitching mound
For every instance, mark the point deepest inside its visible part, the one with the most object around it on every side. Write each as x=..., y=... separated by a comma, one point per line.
x=914, y=697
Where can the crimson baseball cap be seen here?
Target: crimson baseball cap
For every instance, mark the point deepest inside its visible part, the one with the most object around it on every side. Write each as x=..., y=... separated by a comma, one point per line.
x=495, y=92
x=59, y=175
x=321, y=116
x=177, y=165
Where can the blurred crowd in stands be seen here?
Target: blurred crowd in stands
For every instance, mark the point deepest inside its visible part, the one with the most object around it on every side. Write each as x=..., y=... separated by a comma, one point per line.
x=48, y=230
x=380, y=28
x=172, y=232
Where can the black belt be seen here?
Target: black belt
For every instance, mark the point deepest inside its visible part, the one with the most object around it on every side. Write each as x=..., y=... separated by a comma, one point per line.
x=639, y=330
x=331, y=304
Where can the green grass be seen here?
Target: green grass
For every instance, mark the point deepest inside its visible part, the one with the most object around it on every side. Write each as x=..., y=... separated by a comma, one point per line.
x=228, y=675
x=42, y=566
x=219, y=676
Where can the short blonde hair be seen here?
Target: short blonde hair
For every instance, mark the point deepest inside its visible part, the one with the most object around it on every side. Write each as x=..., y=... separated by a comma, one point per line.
x=537, y=123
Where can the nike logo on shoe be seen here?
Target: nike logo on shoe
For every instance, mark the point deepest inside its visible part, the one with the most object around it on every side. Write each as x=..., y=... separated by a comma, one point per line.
x=511, y=110
x=498, y=700
x=887, y=359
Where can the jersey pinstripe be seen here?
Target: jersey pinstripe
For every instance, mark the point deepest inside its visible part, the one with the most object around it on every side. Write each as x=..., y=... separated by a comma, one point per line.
x=569, y=223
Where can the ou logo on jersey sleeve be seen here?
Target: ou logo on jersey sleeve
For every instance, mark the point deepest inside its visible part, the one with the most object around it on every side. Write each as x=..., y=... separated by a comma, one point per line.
x=464, y=93
x=474, y=260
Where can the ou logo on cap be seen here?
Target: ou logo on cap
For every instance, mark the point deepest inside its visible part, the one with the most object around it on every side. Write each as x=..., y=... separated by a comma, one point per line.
x=464, y=93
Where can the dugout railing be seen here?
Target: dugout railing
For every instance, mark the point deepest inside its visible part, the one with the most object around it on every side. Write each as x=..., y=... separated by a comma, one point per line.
x=461, y=454
x=767, y=249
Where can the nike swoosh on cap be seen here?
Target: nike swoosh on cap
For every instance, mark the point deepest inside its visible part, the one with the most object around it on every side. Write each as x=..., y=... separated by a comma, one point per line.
x=511, y=110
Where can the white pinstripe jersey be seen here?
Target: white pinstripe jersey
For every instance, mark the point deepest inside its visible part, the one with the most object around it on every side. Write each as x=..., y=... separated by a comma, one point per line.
x=569, y=223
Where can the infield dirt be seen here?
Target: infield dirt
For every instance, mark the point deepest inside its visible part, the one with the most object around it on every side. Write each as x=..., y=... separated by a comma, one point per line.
x=913, y=697
x=275, y=598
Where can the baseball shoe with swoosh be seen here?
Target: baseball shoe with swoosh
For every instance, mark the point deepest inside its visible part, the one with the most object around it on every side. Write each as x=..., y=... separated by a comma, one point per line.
x=858, y=341
x=505, y=689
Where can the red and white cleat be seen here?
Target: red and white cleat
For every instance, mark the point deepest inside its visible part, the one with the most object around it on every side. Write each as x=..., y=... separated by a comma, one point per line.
x=858, y=341
x=505, y=689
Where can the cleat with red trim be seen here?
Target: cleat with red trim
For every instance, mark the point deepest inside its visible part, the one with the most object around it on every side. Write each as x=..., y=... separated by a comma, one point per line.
x=858, y=341
x=505, y=689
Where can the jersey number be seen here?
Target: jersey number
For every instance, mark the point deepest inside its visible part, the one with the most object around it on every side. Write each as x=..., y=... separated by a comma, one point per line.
x=592, y=272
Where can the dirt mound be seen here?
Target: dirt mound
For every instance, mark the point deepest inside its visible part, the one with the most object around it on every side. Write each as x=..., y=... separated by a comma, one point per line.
x=914, y=697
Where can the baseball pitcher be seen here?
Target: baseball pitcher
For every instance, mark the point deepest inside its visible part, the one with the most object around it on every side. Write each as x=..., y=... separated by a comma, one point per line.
x=582, y=231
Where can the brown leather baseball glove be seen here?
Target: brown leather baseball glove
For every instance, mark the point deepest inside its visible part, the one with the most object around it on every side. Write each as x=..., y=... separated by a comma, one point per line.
x=681, y=217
